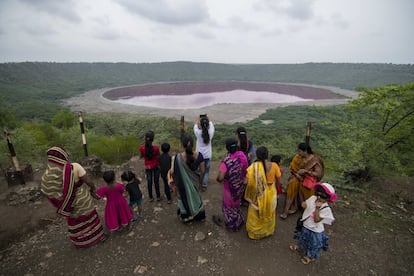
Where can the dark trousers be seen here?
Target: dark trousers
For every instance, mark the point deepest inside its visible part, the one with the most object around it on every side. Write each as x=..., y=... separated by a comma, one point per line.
x=153, y=175
x=166, y=187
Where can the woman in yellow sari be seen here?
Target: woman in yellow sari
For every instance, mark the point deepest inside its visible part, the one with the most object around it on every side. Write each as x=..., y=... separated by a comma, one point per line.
x=261, y=195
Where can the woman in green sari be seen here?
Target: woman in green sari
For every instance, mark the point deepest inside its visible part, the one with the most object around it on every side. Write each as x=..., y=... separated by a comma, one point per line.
x=188, y=182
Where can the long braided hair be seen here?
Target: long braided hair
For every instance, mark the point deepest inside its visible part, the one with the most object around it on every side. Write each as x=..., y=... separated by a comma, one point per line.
x=149, y=150
x=188, y=144
x=205, y=123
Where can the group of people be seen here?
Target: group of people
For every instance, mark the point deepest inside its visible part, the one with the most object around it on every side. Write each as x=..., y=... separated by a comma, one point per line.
x=247, y=175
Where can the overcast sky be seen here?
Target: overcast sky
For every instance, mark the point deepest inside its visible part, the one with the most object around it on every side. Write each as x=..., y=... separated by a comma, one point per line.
x=226, y=31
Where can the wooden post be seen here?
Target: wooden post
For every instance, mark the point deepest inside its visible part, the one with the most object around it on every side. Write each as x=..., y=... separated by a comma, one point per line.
x=13, y=175
x=85, y=147
x=11, y=150
x=182, y=127
x=308, y=133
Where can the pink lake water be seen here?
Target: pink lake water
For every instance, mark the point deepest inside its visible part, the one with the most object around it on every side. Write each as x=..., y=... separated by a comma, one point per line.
x=208, y=99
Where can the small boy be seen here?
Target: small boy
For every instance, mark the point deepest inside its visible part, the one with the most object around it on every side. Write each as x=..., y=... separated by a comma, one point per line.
x=135, y=195
x=278, y=160
x=165, y=165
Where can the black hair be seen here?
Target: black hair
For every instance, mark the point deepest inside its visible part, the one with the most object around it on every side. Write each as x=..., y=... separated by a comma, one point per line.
x=322, y=193
x=262, y=155
x=276, y=159
x=231, y=145
x=244, y=142
x=149, y=150
x=305, y=147
x=109, y=176
x=165, y=147
x=127, y=176
x=205, y=123
x=188, y=143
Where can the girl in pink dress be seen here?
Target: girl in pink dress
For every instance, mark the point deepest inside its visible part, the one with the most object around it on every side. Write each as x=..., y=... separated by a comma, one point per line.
x=117, y=211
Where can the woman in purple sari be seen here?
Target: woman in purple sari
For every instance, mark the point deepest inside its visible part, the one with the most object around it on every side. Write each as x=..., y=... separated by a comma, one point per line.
x=232, y=173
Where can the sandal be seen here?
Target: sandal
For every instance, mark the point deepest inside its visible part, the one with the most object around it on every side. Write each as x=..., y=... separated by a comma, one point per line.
x=294, y=247
x=283, y=216
x=291, y=212
x=306, y=260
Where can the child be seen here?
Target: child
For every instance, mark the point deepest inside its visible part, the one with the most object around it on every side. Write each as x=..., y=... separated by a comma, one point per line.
x=278, y=160
x=311, y=236
x=116, y=210
x=165, y=165
x=135, y=195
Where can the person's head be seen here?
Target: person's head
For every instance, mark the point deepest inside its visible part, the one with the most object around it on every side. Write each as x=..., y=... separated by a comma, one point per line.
x=231, y=145
x=242, y=137
x=188, y=144
x=127, y=176
x=276, y=159
x=165, y=147
x=205, y=124
x=109, y=177
x=326, y=192
x=304, y=150
x=57, y=155
x=149, y=150
x=262, y=155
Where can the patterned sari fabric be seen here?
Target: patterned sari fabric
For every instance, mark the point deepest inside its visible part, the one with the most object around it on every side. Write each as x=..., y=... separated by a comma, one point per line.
x=235, y=166
x=71, y=200
x=311, y=165
x=190, y=204
x=261, y=215
x=294, y=184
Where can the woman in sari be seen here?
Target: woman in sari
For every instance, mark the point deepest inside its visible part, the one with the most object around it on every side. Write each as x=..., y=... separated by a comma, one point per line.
x=261, y=195
x=292, y=191
x=232, y=172
x=313, y=167
x=62, y=183
x=188, y=182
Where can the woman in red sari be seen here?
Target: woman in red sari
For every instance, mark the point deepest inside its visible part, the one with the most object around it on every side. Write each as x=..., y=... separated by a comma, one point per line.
x=62, y=183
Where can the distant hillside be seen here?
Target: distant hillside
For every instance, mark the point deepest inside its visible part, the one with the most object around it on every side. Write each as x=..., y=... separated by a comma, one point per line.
x=26, y=87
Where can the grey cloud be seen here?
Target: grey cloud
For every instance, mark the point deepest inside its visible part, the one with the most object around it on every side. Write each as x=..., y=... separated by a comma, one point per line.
x=339, y=21
x=63, y=9
x=106, y=34
x=39, y=30
x=203, y=34
x=296, y=9
x=176, y=12
x=237, y=22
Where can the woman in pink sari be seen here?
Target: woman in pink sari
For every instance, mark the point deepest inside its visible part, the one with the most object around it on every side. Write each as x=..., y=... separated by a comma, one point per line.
x=232, y=173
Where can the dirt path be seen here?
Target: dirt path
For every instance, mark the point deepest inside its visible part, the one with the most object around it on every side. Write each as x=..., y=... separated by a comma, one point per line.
x=373, y=235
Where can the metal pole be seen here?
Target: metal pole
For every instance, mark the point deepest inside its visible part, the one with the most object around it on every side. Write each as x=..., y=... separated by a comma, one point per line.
x=12, y=151
x=308, y=133
x=82, y=128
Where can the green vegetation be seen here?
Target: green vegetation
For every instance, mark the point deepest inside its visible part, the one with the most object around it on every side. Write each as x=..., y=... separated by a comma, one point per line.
x=373, y=133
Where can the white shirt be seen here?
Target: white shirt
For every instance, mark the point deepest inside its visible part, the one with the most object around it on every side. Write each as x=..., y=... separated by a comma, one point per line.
x=325, y=214
x=205, y=149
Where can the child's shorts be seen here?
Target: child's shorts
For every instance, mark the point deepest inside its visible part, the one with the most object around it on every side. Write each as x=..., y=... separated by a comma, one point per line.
x=137, y=202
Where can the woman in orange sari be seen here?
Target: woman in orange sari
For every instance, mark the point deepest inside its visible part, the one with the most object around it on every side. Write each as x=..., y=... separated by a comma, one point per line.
x=313, y=168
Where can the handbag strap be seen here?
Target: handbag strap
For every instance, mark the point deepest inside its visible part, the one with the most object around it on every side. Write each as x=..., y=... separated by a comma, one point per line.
x=327, y=206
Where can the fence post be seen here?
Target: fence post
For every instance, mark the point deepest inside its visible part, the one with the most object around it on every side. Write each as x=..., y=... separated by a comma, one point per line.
x=82, y=128
x=308, y=133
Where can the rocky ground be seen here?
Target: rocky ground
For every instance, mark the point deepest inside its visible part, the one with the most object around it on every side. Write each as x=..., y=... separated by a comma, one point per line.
x=373, y=235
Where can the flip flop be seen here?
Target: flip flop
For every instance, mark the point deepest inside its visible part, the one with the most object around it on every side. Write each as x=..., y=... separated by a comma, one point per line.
x=306, y=260
x=283, y=216
x=291, y=212
x=294, y=247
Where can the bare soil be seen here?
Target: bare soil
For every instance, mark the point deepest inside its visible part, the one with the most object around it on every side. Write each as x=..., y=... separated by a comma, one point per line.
x=372, y=235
